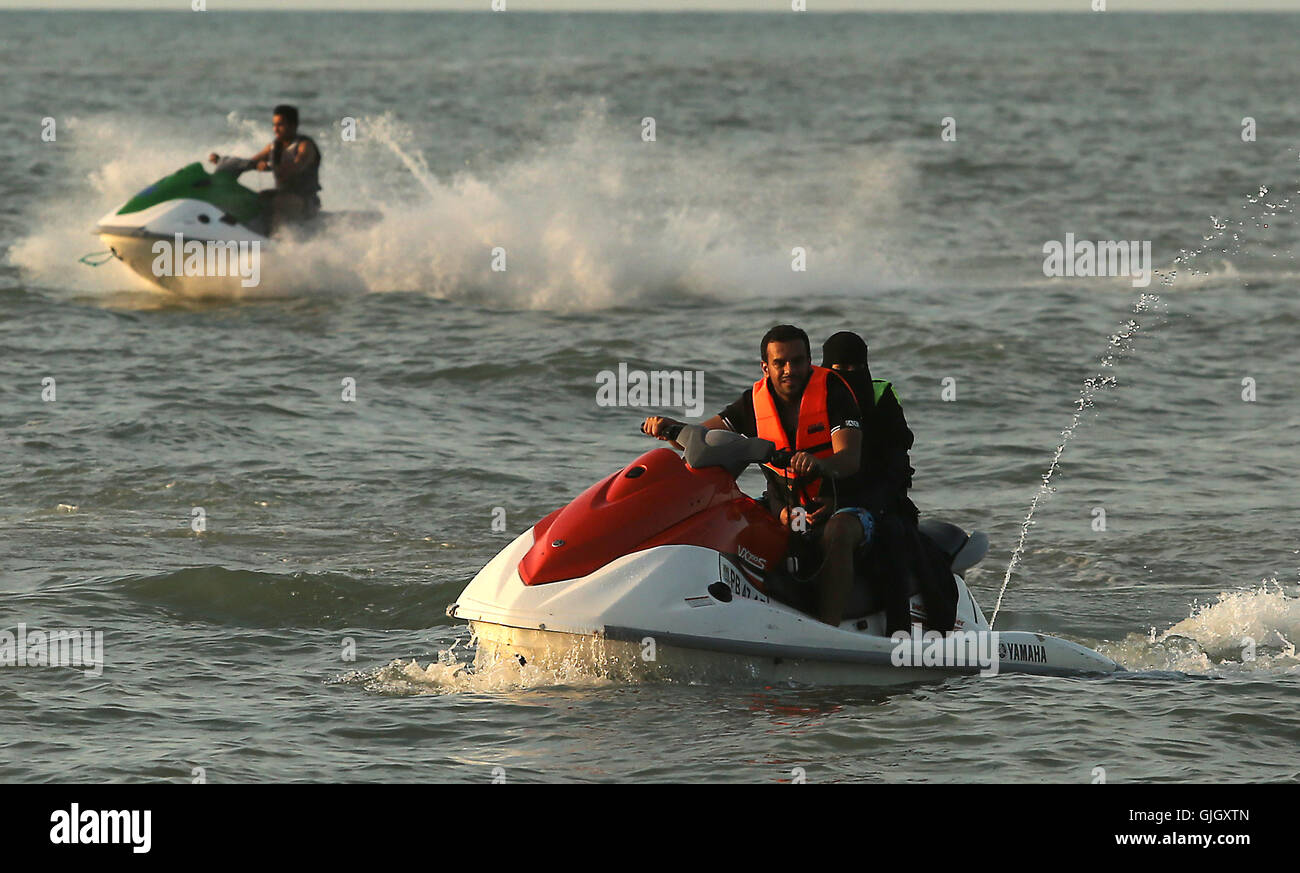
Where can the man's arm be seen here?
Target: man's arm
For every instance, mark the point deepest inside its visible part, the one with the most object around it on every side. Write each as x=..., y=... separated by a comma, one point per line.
x=301, y=157
x=732, y=418
x=256, y=159
x=847, y=443
x=655, y=425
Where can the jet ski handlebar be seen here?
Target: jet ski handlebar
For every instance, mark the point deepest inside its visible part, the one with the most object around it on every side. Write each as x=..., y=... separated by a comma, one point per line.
x=723, y=448
x=234, y=166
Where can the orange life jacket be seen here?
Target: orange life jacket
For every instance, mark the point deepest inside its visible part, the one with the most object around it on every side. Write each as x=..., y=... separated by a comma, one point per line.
x=814, y=433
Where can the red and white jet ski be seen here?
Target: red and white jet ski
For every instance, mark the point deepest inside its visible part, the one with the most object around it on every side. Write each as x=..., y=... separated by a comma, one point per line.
x=659, y=570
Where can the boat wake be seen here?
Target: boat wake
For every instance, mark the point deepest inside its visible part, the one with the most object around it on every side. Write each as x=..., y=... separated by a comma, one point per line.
x=1242, y=633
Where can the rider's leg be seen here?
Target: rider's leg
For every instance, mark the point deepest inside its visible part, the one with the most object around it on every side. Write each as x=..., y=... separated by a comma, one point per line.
x=841, y=536
x=286, y=209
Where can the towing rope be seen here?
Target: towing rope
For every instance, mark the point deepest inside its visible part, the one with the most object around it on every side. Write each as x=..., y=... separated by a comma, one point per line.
x=104, y=257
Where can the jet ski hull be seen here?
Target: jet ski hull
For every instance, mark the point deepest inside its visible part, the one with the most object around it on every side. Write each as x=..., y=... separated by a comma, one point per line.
x=624, y=660
x=613, y=624
x=155, y=243
x=138, y=253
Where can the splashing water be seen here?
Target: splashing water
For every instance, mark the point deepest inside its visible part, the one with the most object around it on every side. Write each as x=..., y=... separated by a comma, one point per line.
x=491, y=671
x=1221, y=227
x=450, y=675
x=588, y=218
x=387, y=131
x=1246, y=631
x=1120, y=342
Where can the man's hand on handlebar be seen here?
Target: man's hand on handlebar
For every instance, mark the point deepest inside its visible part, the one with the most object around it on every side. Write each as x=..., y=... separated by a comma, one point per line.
x=804, y=465
x=658, y=426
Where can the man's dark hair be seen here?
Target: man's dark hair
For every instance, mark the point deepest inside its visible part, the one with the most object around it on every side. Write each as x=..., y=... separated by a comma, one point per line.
x=783, y=333
x=287, y=112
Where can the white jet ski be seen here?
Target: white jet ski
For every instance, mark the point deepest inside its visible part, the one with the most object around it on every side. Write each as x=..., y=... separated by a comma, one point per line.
x=667, y=569
x=197, y=233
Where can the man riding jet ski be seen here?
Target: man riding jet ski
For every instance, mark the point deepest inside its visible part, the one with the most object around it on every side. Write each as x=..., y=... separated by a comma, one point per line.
x=294, y=159
x=203, y=234
x=824, y=490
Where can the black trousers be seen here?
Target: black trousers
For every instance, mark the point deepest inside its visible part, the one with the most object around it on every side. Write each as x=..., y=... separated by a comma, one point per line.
x=903, y=559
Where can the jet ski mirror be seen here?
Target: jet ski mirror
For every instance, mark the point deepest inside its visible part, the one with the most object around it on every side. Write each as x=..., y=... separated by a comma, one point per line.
x=722, y=448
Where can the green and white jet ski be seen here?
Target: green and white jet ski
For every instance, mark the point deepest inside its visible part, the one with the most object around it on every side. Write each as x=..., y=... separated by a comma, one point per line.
x=204, y=234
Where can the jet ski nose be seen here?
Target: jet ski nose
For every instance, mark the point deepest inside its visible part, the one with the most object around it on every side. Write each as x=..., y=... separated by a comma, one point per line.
x=619, y=515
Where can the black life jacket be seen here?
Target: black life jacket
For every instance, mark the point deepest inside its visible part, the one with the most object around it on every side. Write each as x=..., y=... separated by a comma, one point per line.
x=305, y=182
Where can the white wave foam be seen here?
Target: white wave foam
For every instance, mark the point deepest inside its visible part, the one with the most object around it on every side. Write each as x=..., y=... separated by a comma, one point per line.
x=593, y=218
x=452, y=675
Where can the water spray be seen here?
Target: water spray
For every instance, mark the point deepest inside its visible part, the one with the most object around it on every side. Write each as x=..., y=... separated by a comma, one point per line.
x=1122, y=340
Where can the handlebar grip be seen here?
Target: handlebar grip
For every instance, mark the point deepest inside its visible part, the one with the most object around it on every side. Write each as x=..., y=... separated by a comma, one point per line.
x=781, y=458
x=672, y=431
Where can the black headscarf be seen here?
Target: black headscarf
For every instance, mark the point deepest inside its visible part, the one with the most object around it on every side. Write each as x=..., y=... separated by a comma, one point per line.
x=848, y=348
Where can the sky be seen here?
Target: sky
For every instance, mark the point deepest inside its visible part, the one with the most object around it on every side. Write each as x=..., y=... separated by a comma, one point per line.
x=679, y=5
